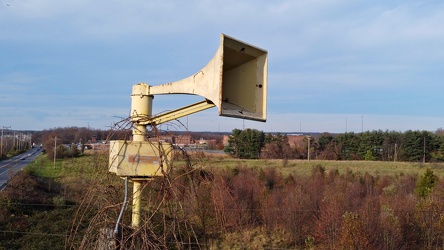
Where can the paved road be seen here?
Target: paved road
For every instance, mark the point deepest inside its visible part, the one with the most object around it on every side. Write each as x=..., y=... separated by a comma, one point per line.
x=11, y=166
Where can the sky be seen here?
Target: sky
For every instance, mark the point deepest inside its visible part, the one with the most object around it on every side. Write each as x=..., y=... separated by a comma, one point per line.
x=333, y=65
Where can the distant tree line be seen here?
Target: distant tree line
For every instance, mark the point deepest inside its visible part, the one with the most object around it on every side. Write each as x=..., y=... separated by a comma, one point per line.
x=377, y=145
x=71, y=141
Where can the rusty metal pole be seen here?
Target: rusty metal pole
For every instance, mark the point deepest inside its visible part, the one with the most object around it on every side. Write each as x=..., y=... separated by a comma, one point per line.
x=141, y=108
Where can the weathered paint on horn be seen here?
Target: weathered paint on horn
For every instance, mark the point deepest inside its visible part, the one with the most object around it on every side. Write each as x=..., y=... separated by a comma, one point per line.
x=235, y=80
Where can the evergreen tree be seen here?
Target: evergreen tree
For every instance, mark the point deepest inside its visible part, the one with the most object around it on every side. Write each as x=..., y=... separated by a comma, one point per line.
x=426, y=183
x=245, y=144
x=349, y=144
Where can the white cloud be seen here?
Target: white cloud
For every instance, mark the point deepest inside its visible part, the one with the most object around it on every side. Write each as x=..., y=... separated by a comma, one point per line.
x=404, y=24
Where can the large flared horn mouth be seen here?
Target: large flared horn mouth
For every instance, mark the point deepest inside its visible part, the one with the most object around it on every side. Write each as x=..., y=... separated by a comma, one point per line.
x=235, y=81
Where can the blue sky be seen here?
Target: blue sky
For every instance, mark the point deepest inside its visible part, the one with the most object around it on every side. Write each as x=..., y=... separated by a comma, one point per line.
x=333, y=65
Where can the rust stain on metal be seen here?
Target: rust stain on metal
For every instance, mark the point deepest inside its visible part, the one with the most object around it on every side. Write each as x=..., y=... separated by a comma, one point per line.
x=143, y=159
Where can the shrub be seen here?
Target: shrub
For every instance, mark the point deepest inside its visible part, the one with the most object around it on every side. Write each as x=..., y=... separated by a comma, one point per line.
x=426, y=183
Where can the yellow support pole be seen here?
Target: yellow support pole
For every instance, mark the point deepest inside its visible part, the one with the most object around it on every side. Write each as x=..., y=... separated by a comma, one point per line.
x=178, y=113
x=137, y=190
x=141, y=109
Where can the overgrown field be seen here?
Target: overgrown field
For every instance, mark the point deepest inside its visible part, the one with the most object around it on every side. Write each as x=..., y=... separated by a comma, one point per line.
x=224, y=203
x=304, y=167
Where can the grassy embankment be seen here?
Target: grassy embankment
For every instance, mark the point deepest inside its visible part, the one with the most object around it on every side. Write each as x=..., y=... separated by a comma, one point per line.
x=49, y=206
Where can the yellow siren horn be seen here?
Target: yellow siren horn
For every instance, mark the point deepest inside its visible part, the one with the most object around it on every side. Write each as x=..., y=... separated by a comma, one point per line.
x=235, y=81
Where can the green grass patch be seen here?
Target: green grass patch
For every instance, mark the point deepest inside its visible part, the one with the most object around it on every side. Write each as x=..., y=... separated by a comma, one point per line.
x=82, y=167
x=304, y=167
x=90, y=165
x=43, y=167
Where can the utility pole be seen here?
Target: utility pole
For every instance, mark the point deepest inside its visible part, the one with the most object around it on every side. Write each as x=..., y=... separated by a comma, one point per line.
x=362, y=123
x=1, y=143
x=55, y=150
x=308, y=147
x=18, y=142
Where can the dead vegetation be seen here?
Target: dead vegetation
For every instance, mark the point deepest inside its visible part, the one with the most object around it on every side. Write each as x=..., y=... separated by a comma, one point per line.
x=218, y=203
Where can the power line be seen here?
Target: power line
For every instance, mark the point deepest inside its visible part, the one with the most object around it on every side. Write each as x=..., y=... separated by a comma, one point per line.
x=34, y=233
x=36, y=205
x=1, y=144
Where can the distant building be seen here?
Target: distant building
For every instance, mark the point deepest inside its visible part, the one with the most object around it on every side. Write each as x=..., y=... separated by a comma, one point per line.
x=295, y=139
x=180, y=140
x=225, y=140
